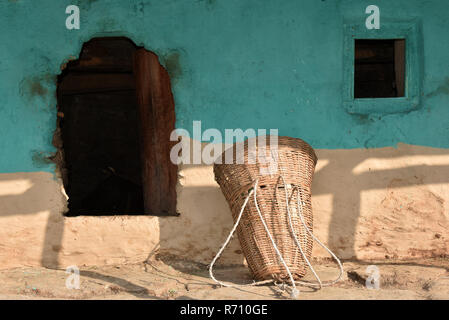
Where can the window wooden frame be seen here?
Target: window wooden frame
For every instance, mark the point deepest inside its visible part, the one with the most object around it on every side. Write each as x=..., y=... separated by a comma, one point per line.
x=409, y=31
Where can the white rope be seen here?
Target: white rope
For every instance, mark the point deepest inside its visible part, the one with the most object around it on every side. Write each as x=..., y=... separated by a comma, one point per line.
x=231, y=233
x=295, y=292
x=301, y=217
x=290, y=223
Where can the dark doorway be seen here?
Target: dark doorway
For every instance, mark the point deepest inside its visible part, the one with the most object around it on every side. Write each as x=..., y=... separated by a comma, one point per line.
x=101, y=128
x=379, y=68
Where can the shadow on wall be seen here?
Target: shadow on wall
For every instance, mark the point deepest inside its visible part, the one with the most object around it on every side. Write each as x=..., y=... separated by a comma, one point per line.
x=383, y=200
x=38, y=197
x=204, y=222
x=368, y=203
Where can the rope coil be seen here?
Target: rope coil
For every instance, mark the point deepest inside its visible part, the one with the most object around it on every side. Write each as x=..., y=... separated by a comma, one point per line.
x=294, y=291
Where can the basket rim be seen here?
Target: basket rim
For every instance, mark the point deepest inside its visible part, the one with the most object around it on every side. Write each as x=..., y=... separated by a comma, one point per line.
x=283, y=143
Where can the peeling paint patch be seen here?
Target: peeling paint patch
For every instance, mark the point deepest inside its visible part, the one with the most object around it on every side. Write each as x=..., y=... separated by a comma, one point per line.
x=37, y=89
x=172, y=64
x=36, y=86
x=41, y=159
x=66, y=61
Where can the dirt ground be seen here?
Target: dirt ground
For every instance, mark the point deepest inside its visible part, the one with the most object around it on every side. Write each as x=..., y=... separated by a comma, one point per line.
x=171, y=278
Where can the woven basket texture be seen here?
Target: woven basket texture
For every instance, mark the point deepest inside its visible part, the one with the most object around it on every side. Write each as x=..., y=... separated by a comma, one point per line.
x=296, y=162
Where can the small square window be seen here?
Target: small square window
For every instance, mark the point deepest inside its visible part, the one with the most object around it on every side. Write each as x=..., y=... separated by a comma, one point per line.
x=382, y=68
x=379, y=68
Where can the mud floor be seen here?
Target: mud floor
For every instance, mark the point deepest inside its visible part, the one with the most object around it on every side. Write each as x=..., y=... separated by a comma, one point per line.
x=171, y=278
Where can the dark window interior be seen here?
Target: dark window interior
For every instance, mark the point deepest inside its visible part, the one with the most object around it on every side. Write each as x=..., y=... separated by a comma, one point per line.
x=379, y=68
x=98, y=122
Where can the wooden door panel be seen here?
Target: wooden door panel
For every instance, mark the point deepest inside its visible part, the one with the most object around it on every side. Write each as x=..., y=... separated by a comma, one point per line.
x=157, y=121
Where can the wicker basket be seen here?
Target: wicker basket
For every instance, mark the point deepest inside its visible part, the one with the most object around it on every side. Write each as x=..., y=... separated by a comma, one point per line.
x=296, y=162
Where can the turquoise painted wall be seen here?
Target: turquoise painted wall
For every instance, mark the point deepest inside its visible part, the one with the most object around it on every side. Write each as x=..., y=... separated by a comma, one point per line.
x=233, y=63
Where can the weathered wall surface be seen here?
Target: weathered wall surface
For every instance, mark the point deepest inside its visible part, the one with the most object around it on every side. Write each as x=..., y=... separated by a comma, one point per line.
x=233, y=64
x=376, y=204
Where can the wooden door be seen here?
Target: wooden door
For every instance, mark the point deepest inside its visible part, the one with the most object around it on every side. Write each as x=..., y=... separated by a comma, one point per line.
x=157, y=121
